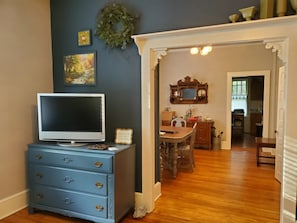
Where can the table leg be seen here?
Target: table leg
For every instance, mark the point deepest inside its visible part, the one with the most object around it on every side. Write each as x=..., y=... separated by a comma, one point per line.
x=161, y=168
x=174, y=161
x=257, y=154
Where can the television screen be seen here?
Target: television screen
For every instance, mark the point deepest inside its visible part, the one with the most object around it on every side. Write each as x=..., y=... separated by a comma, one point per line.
x=71, y=117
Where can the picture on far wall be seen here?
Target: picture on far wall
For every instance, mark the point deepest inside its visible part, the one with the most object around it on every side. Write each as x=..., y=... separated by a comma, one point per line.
x=80, y=69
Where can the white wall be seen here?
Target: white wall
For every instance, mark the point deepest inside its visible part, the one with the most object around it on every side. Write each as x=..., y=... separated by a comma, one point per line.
x=26, y=68
x=212, y=69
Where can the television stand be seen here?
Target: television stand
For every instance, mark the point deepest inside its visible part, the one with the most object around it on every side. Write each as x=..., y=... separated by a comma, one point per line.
x=94, y=185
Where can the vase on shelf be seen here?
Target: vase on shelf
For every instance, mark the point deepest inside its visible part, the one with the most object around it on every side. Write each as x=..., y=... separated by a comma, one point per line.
x=234, y=18
x=294, y=5
x=266, y=9
x=248, y=13
x=281, y=7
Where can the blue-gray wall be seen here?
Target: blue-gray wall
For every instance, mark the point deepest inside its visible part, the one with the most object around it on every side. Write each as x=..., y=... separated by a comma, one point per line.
x=118, y=71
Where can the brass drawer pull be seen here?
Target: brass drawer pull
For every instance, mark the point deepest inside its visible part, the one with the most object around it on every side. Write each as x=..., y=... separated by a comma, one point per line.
x=67, y=160
x=68, y=179
x=39, y=175
x=67, y=201
x=99, y=208
x=98, y=164
x=39, y=196
x=38, y=156
x=99, y=185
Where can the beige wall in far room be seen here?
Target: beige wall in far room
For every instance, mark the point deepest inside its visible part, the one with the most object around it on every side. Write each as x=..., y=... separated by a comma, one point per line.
x=213, y=70
x=26, y=68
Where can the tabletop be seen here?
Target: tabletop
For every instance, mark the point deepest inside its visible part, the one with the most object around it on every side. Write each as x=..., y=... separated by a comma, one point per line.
x=176, y=134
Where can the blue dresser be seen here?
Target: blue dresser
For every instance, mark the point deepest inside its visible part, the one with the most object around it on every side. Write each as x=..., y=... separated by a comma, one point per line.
x=97, y=185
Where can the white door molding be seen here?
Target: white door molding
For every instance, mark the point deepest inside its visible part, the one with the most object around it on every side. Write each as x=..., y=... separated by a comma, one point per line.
x=278, y=33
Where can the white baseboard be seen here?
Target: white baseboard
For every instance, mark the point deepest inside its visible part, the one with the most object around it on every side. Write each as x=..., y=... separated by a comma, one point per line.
x=138, y=199
x=13, y=204
x=225, y=145
x=157, y=191
x=140, y=202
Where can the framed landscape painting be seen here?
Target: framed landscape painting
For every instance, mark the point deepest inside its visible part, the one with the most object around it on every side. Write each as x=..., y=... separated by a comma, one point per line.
x=80, y=69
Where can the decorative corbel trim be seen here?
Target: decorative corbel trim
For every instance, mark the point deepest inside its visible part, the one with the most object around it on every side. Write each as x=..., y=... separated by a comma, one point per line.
x=278, y=46
x=158, y=53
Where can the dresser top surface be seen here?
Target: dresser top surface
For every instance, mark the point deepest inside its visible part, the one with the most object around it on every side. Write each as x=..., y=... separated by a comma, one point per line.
x=111, y=148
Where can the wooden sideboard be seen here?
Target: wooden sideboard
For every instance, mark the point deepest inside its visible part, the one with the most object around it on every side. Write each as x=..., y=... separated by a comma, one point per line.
x=203, y=133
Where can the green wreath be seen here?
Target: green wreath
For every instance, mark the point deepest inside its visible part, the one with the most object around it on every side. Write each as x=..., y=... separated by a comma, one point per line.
x=115, y=26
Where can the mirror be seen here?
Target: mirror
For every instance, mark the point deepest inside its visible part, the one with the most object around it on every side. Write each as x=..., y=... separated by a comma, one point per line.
x=189, y=91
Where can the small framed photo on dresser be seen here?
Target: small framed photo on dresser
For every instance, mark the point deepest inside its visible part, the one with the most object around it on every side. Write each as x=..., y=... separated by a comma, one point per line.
x=123, y=136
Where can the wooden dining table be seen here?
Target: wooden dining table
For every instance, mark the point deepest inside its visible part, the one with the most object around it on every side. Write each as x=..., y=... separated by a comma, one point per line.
x=174, y=135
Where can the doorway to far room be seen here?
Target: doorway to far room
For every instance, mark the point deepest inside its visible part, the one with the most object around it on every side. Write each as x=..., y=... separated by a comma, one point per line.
x=247, y=110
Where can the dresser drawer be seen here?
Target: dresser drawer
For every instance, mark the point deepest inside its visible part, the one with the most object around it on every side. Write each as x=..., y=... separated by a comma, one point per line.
x=78, y=160
x=68, y=200
x=78, y=180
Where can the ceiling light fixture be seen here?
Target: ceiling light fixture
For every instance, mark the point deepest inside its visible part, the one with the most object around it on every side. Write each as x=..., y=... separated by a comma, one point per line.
x=194, y=50
x=203, y=50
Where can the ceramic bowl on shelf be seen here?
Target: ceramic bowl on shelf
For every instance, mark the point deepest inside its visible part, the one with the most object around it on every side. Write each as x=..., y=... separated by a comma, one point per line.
x=234, y=17
x=248, y=13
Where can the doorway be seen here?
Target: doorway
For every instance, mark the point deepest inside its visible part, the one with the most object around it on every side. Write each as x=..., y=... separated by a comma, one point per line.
x=265, y=103
x=247, y=109
x=276, y=34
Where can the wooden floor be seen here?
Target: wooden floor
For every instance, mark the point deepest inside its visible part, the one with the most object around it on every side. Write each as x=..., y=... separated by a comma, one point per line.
x=226, y=186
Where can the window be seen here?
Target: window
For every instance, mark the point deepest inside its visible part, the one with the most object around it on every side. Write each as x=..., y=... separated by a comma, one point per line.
x=239, y=94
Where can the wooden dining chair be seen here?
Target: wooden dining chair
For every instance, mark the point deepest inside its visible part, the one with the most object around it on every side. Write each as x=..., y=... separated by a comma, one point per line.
x=179, y=122
x=165, y=155
x=186, y=158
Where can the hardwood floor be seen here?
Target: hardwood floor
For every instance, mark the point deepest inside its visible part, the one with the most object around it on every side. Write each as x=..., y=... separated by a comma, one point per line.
x=225, y=187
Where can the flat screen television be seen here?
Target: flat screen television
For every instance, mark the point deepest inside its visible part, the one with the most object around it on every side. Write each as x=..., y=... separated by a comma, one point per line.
x=71, y=119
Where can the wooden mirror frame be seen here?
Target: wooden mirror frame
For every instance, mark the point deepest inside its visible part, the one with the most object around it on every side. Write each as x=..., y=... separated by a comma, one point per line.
x=189, y=91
